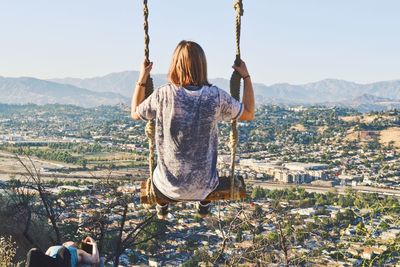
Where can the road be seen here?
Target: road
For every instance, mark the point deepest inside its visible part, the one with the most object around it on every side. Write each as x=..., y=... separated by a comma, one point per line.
x=143, y=174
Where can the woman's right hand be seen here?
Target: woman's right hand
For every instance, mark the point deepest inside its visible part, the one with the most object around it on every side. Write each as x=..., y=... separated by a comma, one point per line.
x=242, y=69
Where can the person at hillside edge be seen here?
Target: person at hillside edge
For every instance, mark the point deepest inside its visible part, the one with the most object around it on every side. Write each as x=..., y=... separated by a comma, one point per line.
x=187, y=111
x=66, y=255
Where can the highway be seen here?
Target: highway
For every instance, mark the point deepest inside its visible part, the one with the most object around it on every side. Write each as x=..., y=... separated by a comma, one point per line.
x=141, y=174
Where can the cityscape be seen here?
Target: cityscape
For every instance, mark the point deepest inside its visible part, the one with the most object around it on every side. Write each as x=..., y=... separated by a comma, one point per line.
x=322, y=186
x=315, y=177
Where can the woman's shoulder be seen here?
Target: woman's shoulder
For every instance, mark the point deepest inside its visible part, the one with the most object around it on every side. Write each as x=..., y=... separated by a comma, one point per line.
x=167, y=85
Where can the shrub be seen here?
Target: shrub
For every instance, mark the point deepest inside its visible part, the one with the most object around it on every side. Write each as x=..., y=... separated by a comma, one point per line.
x=7, y=251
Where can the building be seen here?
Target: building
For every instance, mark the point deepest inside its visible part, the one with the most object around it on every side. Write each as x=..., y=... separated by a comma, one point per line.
x=300, y=166
x=347, y=179
x=289, y=177
x=299, y=173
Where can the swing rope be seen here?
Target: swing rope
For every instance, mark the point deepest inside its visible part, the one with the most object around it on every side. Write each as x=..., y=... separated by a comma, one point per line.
x=235, y=93
x=150, y=126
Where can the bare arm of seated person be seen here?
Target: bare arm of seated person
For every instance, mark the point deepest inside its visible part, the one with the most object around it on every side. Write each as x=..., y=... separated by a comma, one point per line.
x=84, y=257
x=138, y=94
x=248, y=94
x=48, y=251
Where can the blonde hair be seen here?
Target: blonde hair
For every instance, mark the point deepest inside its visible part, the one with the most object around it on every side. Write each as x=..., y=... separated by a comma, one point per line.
x=189, y=65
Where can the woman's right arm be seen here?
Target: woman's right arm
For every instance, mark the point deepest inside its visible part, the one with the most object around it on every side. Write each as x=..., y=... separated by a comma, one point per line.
x=248, y=94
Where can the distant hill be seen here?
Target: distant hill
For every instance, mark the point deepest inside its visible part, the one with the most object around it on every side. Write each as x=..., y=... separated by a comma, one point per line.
x=363, y=97
x=30, y=90
x=124, y=82
x=328, y=90
x=118, y=87
x=120, y=82
x=367, y=102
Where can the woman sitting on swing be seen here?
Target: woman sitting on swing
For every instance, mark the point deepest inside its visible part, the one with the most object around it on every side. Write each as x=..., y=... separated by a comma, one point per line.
x=187, y=111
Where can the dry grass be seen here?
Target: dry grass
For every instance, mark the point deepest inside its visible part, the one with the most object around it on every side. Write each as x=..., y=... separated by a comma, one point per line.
x=390, y=134
x=112, y=156
x=322, y=129
x=350, y=118
x=7, y=251
x=385, y=136
x=298, y=127
x=352, y=135
x=365, y=118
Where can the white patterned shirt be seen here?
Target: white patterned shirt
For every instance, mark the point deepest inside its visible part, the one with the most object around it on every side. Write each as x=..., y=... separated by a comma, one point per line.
x=187, y=137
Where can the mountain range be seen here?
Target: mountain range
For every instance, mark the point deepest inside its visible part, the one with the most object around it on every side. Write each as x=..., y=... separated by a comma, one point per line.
x=31, y=90
x=118, y=87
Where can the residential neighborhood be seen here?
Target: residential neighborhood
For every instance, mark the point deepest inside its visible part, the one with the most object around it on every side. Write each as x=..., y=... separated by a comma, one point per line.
x=322, y=186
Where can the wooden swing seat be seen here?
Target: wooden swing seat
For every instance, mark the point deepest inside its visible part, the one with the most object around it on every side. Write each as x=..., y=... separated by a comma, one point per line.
x=222, y=192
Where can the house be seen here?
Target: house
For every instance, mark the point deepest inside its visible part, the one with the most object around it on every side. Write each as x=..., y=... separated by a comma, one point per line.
x=390, y=234
x=153, y=262
x=304, y=212
x=370, y=252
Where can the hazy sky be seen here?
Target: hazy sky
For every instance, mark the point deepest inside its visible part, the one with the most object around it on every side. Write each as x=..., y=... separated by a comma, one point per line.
x=282, y=41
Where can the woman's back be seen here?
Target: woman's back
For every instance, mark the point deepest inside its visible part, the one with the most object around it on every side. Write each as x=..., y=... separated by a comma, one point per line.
x=187, y=138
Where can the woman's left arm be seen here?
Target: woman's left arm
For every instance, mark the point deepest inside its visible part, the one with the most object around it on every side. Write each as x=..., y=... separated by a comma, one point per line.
x=138, y=94
x=84, y=257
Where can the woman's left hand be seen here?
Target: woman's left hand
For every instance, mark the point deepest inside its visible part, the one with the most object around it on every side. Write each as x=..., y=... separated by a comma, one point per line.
x=145, y=70
x=89, y=240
